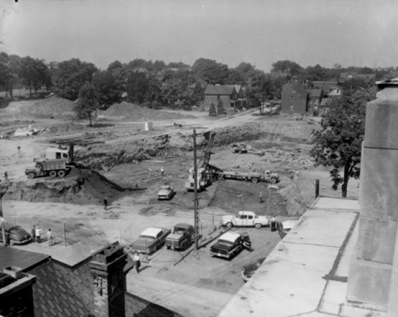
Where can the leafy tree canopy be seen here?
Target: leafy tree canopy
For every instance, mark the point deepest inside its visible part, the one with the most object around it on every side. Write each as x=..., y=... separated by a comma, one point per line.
x=108, y=89
x=71, y=76
x=338, y=143
x=86, y=105
x=287, y=66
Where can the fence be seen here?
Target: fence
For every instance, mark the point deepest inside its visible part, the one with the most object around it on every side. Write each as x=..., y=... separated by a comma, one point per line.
x=59, y=230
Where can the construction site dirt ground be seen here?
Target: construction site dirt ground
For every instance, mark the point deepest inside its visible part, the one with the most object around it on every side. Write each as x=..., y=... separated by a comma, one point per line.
x=198, y=285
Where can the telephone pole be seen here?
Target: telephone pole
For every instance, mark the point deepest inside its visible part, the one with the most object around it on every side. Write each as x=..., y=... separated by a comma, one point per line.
x=195, y=202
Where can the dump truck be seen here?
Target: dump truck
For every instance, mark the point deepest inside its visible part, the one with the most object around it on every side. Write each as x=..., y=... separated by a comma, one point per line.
x=254, y=177
x=58, y=161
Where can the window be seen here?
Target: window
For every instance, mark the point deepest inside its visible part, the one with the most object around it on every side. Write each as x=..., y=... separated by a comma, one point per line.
x=65, y=155
x=250, y=217
x=57, y=155
x=243, y=217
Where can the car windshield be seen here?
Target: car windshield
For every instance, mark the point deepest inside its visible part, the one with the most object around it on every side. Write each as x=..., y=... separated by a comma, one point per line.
x=179, y=230
x=225, y=242
x=237, y=215
x=164, y=187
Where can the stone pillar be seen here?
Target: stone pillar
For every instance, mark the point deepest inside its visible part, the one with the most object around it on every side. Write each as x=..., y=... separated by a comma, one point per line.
x=372, y=263
x=109, y=286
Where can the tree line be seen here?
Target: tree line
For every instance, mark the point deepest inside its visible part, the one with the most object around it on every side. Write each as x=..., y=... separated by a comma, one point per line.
x=155, y=84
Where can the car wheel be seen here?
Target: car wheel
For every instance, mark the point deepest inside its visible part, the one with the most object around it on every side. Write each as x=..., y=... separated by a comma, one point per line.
x=61, y=173
x=254, y=180
x=184, y=245
x=31, y=175
x=258, y=225
x=53, y=174
x=273, y=180
x=229, y=225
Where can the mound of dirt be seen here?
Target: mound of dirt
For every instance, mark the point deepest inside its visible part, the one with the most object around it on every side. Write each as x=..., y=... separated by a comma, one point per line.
x=53, y=106
x=81, y=186
x=295, y=205
x=49, y=107
x=137, y=113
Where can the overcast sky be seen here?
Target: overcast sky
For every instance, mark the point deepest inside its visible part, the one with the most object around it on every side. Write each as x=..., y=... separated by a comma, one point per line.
x=260, y=32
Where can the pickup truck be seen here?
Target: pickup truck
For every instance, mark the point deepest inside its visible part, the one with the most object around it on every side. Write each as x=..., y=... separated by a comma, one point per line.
x=244, y=219
x=181, y=237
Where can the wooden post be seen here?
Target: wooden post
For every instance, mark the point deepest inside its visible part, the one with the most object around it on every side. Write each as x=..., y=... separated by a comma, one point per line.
x=195, y=171
x=64, y=235
x=316, y=188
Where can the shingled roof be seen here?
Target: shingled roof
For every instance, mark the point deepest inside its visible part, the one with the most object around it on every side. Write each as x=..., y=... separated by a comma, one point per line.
x=219, y=90
x=64, y=291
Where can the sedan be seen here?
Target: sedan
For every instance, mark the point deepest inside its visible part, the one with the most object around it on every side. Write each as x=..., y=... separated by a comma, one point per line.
x=150, y=240
x=15, y=234
x=166, y=192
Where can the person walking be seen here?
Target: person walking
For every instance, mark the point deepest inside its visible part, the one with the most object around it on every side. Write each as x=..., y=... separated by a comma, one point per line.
x=162, y=171
x=38, y=233
x=273, y=223
x=137, y=262
x=49, y=237
x=19, y=150
x=261, y=197
x=6, y=175
x=33, y=233
x=105, y=203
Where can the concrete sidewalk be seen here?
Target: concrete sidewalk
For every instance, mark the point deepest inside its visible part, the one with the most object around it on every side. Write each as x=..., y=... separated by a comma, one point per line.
x=306, y=274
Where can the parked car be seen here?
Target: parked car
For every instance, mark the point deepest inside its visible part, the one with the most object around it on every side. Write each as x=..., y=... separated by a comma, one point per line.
x=15, y=234
x=181, y=237
x=150, y=240
x=228, y=245
x=166, y=192
x=248, y=270
x=244, y=219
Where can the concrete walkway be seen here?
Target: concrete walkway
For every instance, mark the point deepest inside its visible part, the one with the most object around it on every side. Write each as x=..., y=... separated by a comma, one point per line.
x=306, y=274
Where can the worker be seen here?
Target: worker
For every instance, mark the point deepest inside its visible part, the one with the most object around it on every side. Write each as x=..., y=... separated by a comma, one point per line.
x=273, y=223
x=49, y=237
x=150, y=171
x=33, y=233
x=105, y=203
x=6, y=175
x=137, y=262
x=38, y=233
x=19, y=150
x=261, y=197
x=162, y=171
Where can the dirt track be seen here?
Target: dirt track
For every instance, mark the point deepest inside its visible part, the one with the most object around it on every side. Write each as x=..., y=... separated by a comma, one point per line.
x=136, y=208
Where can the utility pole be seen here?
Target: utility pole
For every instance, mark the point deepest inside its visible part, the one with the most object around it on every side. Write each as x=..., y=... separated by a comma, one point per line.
x=195, y=202
x=2, y=222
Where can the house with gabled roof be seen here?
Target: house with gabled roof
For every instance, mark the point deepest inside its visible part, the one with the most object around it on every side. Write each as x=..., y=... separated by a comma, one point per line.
x=213, y=93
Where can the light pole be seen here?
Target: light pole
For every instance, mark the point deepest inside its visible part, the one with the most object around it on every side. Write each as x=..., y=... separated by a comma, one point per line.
x=195, y=177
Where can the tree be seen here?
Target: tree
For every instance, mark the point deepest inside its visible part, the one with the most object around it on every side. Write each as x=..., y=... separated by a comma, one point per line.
x=261, y=88
x=288, y=67
x=107, y=88
x=71, y=75
x=141, y=88
x=338, y=143
x=86, y=105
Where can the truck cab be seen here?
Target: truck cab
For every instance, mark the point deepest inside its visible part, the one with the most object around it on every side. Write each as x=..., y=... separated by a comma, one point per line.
x=60, y=153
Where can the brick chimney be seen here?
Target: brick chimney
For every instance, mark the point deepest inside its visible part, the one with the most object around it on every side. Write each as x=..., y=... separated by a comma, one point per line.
x=106, y=267
x=16, y=296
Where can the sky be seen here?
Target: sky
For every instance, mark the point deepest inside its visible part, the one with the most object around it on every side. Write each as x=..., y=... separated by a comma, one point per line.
x=259, y=32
